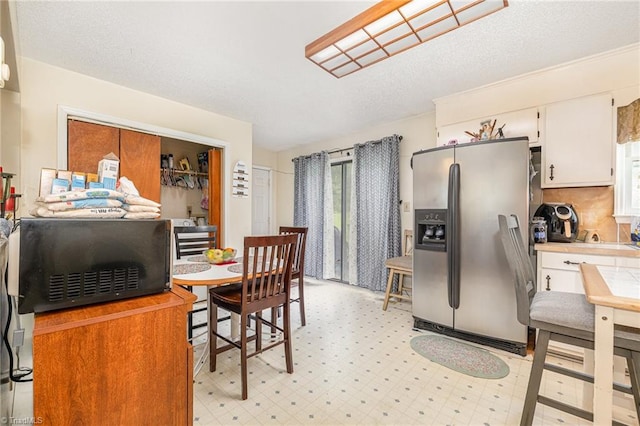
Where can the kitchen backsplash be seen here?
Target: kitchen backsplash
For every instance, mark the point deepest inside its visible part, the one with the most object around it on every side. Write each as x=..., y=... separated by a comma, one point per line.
x=594, y=206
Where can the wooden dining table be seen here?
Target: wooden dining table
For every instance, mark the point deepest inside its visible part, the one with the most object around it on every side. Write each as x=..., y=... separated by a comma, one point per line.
x=615, y=292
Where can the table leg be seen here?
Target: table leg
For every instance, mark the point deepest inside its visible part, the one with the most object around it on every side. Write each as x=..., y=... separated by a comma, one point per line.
x=587, y=388
x=235, y=326
x=603, y=369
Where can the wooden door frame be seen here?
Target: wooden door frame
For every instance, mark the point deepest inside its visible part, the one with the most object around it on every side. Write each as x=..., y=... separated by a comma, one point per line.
x=65, y=113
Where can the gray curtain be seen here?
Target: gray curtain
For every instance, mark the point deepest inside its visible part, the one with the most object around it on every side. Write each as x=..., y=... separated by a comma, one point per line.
x=375, y=233
x=313, y=208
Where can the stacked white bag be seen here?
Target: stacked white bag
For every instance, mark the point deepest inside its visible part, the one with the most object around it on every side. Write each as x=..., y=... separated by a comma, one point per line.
x=125, y=202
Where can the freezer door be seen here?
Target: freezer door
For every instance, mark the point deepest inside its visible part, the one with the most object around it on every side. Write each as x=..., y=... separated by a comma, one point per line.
x=430, y=176
x=493, y=180
x=430, y=299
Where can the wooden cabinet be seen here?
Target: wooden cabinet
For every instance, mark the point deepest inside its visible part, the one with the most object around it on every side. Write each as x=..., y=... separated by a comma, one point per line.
x=120, y=363
x=578, y=148
x=139, y=153
x=140, y=162
x=516, y=123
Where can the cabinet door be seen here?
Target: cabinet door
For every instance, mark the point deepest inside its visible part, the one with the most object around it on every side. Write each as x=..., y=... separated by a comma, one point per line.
x=88, y=143
x=578, y=145
x=140, y=162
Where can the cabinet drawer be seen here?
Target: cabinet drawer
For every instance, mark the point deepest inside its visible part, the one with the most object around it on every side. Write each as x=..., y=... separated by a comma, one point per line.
x=630, y=262
x=571, y=261
x=560, y=280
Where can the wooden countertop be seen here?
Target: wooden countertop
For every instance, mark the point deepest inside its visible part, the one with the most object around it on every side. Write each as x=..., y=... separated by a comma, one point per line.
x=602, y=249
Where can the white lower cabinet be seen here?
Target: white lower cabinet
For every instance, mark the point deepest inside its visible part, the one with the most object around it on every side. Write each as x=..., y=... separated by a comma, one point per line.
x=561, y=272
x=628, y=262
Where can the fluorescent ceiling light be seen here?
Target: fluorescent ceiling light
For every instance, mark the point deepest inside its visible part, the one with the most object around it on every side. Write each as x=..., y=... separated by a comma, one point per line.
x=390, y=27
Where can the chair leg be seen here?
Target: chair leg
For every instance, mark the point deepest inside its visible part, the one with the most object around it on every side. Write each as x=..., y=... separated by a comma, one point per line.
x=535, y=378
x=303, y=320
x=258, y=331
x=388, y=292
x=633, y=364
x=213, y=338
x=243, y=355
x=286, y=326
x=274, y=319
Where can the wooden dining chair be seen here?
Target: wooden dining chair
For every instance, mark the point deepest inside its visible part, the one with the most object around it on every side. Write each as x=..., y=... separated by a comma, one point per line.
x=266, y=283
x=403, y=267
x=297, y=272
x=192, y=241
x=563, y=317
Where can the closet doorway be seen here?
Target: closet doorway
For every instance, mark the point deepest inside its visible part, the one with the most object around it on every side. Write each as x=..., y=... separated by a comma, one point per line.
x=84, y=138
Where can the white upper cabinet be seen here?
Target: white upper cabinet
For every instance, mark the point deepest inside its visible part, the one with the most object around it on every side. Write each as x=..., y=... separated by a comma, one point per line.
x=577, y=142
x=516, y=123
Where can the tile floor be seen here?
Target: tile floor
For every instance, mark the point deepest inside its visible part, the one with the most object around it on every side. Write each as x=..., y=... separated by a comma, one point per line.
x=353, y=365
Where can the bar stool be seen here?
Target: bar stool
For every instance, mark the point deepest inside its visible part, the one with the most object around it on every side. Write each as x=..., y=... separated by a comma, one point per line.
x=403, y=267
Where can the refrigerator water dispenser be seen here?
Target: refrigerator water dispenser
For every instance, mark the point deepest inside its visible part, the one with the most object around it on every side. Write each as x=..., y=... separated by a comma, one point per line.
x=431, y=229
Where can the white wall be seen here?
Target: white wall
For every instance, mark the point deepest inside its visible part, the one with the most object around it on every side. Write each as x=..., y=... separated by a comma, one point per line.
x=10, y=134
x=44, y=87
x=609, y=72
x=9, y=103
x=418, y=132
x=617, y=71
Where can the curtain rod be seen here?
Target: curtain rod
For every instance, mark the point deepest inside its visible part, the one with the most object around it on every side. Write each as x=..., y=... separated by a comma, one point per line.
x=333, y=151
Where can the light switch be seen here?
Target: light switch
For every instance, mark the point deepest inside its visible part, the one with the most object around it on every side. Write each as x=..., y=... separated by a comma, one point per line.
x=407, y=206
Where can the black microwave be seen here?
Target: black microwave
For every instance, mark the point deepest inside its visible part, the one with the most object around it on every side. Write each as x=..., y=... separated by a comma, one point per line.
x=62, y=263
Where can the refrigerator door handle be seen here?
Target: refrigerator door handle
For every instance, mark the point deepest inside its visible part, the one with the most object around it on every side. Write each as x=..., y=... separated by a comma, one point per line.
x=453, y=236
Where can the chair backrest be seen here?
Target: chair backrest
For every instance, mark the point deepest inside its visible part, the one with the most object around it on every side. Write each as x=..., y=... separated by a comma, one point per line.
x=192, y=240
x=520, y=264
x=407, y=243
x=266, y=270
x=298, y=258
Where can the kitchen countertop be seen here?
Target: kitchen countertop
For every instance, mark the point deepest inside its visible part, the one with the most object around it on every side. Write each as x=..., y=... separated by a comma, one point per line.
x=603, y=249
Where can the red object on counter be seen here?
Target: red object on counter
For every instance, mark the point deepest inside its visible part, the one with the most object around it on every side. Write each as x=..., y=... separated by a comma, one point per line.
x=11, y=200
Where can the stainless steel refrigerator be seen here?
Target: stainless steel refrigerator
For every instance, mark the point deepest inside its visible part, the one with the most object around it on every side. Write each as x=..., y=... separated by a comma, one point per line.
x=462, y=284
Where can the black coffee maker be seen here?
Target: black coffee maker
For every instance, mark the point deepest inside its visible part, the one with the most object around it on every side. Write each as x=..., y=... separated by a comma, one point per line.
x=562, y=221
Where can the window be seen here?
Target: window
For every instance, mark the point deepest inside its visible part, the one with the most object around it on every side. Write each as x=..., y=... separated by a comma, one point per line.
x=627, y=189
x=341, y=179
x=628, y=181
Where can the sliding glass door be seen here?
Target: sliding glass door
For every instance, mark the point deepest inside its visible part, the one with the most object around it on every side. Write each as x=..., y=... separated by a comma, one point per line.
x=341, y=181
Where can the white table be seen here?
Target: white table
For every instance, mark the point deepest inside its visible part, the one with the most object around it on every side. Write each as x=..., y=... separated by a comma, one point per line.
x=615, y=292
x=214, y=276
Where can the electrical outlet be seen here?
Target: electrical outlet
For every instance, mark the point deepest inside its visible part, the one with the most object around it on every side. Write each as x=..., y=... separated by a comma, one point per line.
x=407, y=206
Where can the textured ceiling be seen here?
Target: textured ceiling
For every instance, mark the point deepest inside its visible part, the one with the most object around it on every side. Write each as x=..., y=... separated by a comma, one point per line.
x=246, y=59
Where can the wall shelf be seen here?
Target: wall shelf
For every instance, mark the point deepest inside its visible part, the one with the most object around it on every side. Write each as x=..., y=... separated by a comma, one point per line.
x=184, y=172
